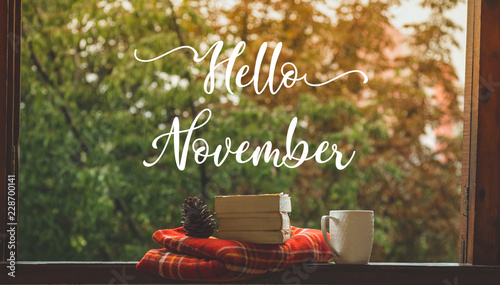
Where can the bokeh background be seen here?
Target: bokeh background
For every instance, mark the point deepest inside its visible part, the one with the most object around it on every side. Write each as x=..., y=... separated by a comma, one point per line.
x=90, y=111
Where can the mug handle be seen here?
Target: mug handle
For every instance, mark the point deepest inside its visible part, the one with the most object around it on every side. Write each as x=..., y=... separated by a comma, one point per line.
x=324, y=225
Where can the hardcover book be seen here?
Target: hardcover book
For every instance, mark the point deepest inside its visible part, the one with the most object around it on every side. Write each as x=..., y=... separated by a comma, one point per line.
x=264, y=237
x=254, y=221
x=253, y=203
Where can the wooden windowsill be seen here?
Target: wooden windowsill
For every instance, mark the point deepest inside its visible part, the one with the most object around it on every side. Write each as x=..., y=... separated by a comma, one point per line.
x=320, y=273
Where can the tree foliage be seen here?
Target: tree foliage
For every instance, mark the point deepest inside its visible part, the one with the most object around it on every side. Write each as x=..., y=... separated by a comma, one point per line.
x=91, y=111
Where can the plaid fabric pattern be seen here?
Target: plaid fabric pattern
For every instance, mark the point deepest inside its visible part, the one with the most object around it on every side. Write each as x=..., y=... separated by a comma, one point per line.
x=195, y=259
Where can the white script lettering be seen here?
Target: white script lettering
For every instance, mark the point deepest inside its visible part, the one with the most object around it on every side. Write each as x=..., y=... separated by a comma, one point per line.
x=289, y=78
x=201, y=148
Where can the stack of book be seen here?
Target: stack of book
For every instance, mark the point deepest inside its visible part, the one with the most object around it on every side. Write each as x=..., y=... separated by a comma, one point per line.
x=254, y=218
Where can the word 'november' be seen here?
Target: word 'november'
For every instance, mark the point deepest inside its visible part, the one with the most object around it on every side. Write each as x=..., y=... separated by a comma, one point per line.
x=290, y=77
x=201, y=148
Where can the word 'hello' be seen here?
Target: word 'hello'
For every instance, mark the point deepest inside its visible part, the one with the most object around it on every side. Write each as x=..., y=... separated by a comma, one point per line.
x=290, y=77
x=201, y=148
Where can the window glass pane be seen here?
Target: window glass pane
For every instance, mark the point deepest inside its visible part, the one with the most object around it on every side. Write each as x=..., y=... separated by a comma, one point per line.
x=90, y=112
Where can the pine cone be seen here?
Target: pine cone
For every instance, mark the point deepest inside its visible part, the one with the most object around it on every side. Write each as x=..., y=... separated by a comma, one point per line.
x=197, y=220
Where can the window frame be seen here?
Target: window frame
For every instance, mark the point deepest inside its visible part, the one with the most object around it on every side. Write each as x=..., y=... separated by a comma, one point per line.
x=480, y=207
x=479, y=261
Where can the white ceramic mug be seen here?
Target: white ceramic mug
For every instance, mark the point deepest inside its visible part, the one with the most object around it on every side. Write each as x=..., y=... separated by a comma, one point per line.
x=351, y=235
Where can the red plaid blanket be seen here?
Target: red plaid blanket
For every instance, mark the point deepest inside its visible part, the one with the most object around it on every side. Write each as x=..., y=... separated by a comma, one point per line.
x=195, y=259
